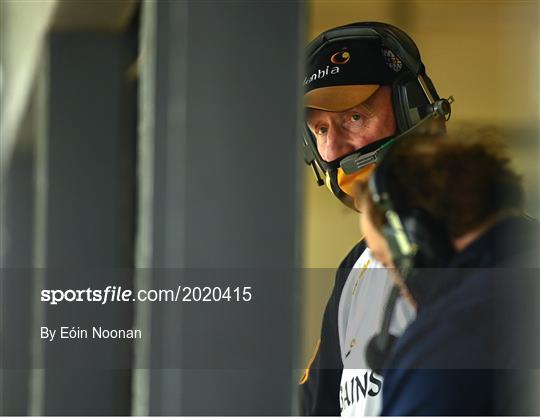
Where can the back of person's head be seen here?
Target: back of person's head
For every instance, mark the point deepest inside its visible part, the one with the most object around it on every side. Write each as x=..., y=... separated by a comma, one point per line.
x=462, y=180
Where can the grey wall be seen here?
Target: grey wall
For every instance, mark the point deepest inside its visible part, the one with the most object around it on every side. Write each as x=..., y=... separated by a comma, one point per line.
x=220, y=146
x=178, y=154
x=86, y=209
x=17, y=185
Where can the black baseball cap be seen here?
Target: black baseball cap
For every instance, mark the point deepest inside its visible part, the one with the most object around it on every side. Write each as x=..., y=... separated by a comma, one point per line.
x=342, y=74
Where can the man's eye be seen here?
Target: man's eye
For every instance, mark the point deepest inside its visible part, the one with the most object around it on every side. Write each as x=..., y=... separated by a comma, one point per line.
x=356, y=117
x=322, y=130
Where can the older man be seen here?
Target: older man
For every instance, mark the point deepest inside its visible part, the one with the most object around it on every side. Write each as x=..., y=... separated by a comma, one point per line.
x=365, y=86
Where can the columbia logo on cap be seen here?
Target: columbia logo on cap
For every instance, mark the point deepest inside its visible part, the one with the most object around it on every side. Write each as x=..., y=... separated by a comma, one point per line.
x=341, y=57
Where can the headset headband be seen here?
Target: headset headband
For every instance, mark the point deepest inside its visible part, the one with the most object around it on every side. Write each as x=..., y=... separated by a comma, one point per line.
x=391, y=37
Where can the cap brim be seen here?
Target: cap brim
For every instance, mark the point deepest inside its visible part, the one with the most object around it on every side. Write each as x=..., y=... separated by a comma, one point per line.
x=338, y=98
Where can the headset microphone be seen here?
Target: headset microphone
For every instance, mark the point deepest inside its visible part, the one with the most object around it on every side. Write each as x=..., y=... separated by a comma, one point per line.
x=416, y=240
x=358, y=160
x=379, y=346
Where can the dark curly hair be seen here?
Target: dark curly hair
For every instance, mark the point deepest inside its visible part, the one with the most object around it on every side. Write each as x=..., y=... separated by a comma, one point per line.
x=461, y=180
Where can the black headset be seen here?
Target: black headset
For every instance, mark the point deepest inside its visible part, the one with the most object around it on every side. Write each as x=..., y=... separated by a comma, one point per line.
x=416, y=240
x=414, y=99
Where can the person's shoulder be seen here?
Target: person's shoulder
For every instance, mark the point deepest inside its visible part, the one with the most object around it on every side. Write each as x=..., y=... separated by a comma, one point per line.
x=452, y=332
x=353, y=255
x=524, y=243
x=346, y=266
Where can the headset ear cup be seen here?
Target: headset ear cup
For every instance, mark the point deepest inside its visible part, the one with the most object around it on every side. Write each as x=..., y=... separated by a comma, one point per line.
x=409, y=101
x=399, y=105
x=431, y=238
x=377, y=351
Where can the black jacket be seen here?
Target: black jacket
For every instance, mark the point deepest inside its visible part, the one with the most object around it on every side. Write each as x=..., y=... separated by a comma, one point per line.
x=319, y=388
x=475, y=339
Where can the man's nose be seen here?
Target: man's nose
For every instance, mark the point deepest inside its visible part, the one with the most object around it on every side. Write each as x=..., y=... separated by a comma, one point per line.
x=337, y=144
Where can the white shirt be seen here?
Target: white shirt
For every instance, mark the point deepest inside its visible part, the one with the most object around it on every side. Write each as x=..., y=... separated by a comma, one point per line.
x=360, y=313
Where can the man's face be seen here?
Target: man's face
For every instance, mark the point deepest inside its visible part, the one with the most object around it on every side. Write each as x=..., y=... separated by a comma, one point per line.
x=339, y=133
